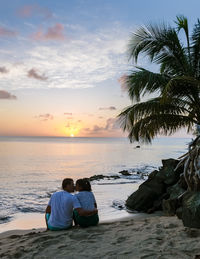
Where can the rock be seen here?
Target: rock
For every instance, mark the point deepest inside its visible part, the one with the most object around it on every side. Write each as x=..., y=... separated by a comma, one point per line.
x=97, y=177
x=191, y=209
x=152, y=174
x=167, y=173
x=150, y=194
x=175, y=191
x=169, y=207
x=100, y=177
x=143, y=199
x=137, y=146
x=182, y=183
x=125, y=172
x=179, y=212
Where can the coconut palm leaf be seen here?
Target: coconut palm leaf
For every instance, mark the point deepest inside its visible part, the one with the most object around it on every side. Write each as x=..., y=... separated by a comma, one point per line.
x=156, y=40
x=195, y=49
x=160, y=124
x=177, y=85
x=142, y=81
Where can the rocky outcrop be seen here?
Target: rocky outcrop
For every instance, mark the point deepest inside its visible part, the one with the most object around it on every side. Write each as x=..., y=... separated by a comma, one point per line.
x=101, y=176
x=166, y=189
x=160, y=191
x=191, y=209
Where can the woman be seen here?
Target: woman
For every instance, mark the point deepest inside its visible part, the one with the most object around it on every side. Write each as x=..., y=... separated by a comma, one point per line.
x=87, y=200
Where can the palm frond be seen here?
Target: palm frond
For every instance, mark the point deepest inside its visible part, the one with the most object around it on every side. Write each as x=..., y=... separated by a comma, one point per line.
x=158, y=124
x=195, y=49
x=154, y=40
x=142, y=81
x=184, y=86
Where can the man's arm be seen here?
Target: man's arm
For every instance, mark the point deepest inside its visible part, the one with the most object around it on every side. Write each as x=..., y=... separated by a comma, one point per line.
x=48, y=210
x=86, y=213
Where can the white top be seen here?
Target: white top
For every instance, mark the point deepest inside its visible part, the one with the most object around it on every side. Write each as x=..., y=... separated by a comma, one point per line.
x=62, y=204
x=86, y=199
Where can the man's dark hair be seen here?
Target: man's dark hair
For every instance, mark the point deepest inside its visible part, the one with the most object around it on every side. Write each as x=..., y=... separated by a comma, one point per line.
x=84, y=184
x=66, y=181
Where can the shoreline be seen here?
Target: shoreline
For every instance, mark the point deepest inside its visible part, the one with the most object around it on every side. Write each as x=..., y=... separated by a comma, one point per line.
x=146, y=236
x=37, y=229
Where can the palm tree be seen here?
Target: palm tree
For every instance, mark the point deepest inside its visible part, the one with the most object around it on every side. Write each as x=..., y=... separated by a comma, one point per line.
x=176, y=87
x=177, y=84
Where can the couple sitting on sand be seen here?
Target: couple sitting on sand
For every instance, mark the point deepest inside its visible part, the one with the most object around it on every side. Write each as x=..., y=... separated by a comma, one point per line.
x=63, y=207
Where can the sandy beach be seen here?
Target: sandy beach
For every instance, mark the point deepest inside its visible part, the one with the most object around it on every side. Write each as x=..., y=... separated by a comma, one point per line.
x=147, y=236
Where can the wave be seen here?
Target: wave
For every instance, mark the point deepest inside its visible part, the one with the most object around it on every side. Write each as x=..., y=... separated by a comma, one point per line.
x=111, y=183
x=4, y=219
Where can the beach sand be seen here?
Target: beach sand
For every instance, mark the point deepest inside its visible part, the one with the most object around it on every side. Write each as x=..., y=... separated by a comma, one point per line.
x=145, y=236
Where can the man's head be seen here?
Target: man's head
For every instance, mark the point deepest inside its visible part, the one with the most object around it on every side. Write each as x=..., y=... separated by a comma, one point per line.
x=68, y=185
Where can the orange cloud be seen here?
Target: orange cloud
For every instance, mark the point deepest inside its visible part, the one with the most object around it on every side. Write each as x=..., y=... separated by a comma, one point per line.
x=44, y=117
x=32, y=73
x=7, y=95
x=111, y=108
x=68, y=113
x=30, y=10
x=5, y=32
x=55, y=32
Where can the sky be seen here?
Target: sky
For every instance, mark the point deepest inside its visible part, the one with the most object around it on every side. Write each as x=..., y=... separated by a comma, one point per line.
x=61, y=62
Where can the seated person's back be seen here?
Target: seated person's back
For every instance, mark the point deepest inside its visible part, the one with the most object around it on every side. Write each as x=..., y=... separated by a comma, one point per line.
x=62, y=204
x=86, y=199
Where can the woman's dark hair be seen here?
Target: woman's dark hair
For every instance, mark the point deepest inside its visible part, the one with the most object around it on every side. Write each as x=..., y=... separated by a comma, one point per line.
x=66, y=182
x=84, y=184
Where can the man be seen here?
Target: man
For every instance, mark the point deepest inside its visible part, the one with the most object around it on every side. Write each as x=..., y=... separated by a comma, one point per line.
x=59, y=211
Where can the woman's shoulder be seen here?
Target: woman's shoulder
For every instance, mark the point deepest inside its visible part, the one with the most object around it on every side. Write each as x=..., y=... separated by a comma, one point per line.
x=84, y=193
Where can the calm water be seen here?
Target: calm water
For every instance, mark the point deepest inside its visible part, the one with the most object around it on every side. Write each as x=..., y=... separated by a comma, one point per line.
x=32, y=168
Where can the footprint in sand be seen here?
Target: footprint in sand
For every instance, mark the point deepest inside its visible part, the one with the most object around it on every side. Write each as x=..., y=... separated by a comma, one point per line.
x=121, y=239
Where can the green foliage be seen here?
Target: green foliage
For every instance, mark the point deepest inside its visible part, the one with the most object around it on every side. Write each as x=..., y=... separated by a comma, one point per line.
x=177, y=85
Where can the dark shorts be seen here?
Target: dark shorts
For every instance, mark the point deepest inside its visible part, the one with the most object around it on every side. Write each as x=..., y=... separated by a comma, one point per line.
x=86, y=221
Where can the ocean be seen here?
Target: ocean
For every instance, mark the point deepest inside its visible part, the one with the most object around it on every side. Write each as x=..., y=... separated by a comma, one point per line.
x=32, y=168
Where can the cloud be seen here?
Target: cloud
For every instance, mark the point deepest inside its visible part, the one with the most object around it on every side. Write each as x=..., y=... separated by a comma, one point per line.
x=44, y=117
x=68, y=113
x=122, y=80
x=30, y=10
x=111, y=108
x=5, y=32
x=55, y=32
x=74, y=64
x=32, y=73
x=3, y=70
x=110, y=126
x=7, y=95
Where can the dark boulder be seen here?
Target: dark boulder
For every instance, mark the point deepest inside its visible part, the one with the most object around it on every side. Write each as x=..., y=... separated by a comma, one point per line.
x=167, y=173
x=171, y=204
x=191, y=209
x=169, y=207
x=125, y=173
x=150, y=194
x=101, y=176
x=144, y=198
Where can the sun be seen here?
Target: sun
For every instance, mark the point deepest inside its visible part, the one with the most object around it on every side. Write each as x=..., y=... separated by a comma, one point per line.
x=71, y=135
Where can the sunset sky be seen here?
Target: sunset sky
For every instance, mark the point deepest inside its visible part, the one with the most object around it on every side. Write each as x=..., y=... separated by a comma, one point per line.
x=61, y=62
